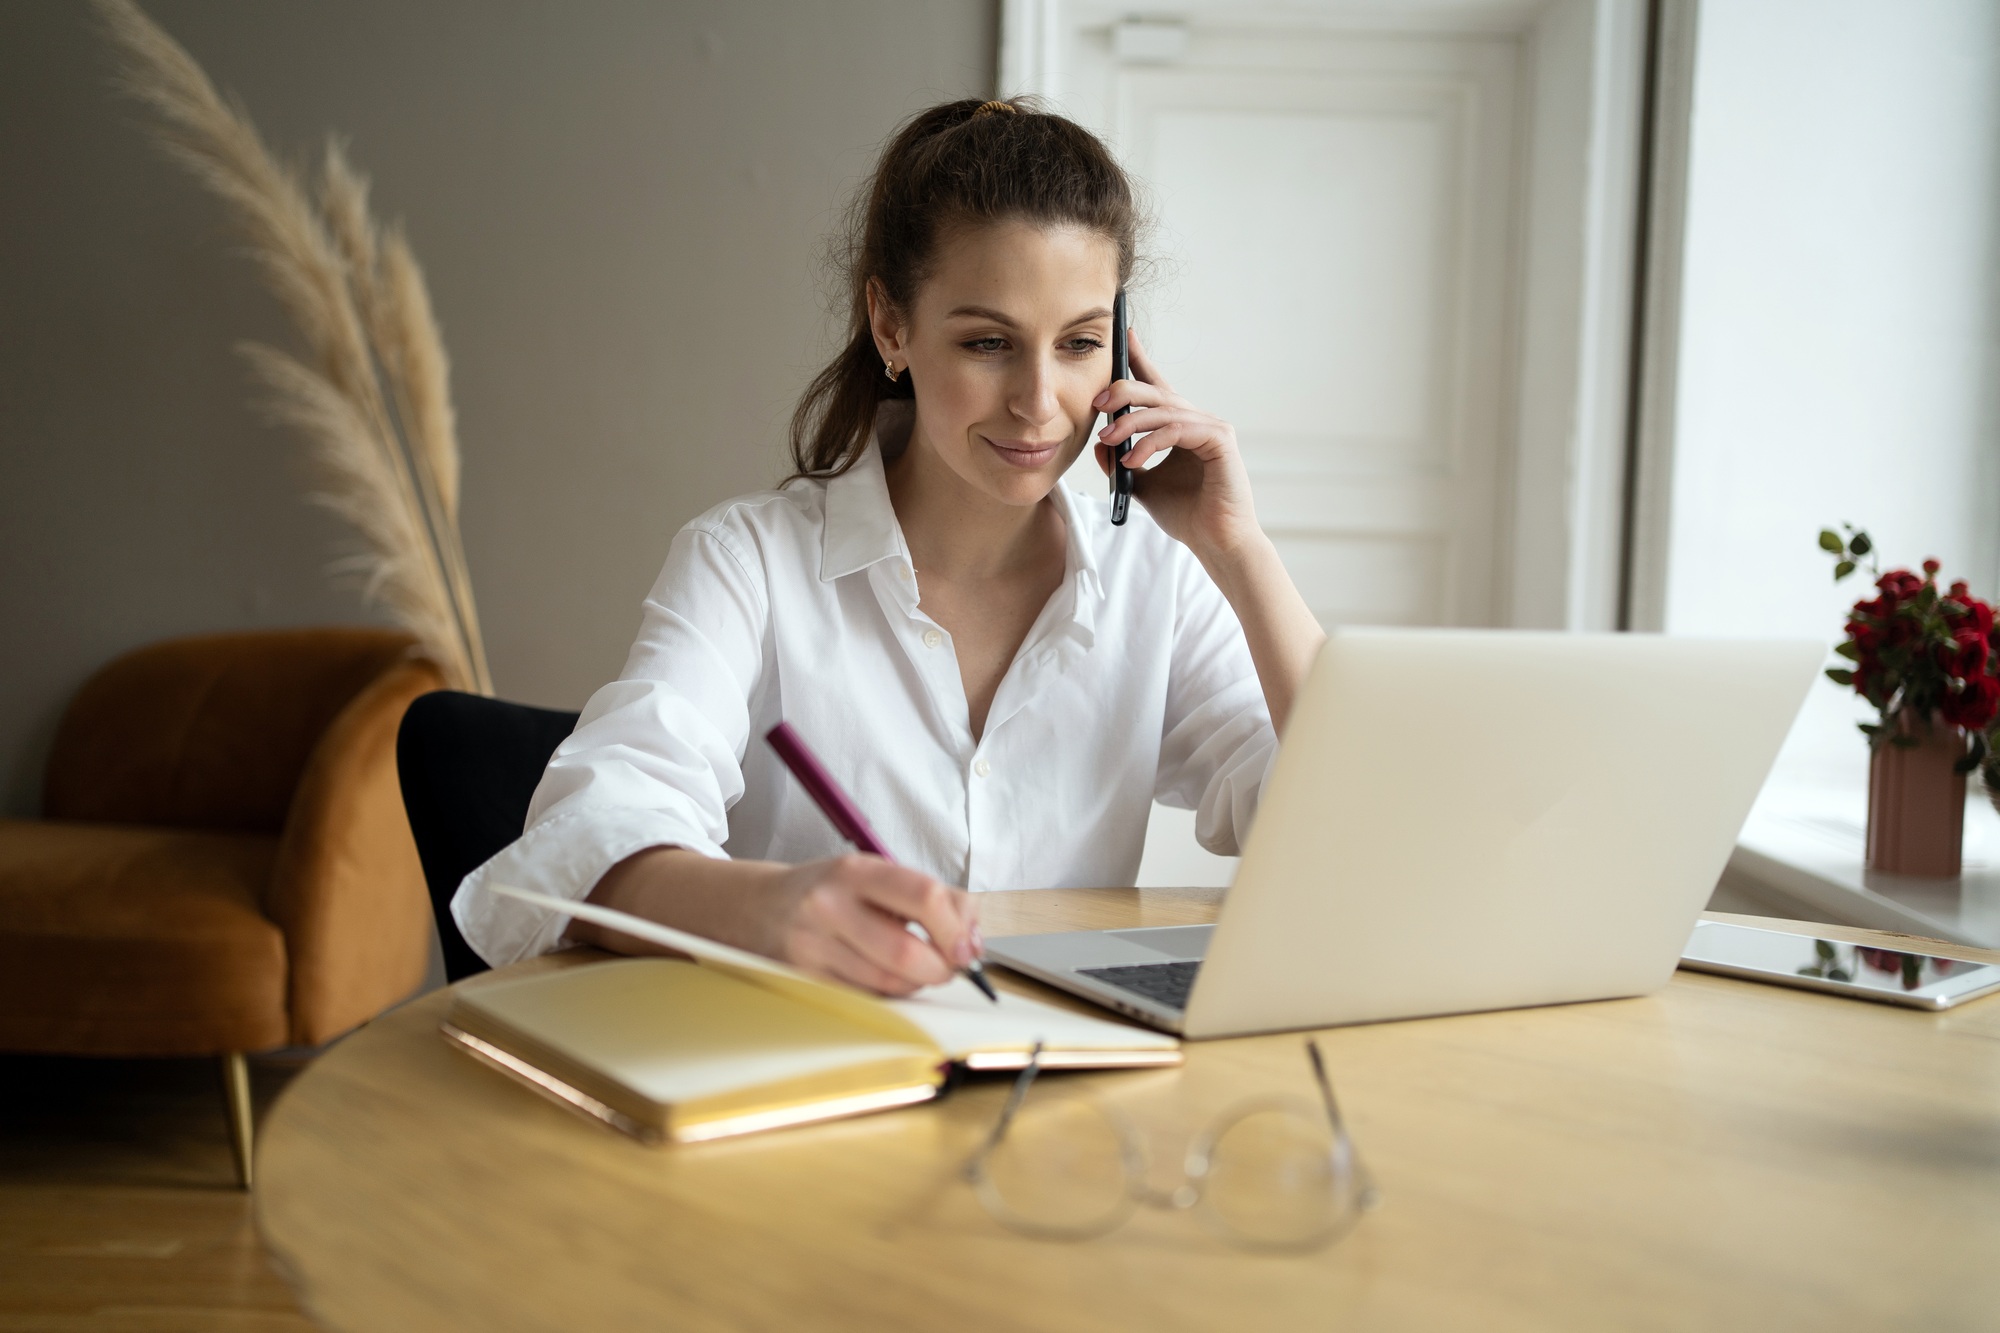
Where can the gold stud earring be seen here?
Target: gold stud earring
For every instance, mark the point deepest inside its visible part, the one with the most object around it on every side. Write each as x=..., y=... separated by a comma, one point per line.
x=890, y=371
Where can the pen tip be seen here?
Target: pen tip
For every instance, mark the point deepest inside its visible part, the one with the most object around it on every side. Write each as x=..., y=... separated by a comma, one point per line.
x=977, y=972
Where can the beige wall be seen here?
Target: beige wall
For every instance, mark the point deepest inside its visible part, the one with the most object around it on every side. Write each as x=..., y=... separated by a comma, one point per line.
x=620, y=207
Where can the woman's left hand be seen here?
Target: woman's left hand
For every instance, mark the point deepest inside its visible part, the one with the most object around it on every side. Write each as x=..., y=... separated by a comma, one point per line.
x=1200, y=494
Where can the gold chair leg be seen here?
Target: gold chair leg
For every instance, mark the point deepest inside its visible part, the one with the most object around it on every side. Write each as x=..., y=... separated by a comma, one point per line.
x=242, y=1125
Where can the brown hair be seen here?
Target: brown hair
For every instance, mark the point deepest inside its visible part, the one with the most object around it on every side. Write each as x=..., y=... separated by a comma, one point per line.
x=961, y=163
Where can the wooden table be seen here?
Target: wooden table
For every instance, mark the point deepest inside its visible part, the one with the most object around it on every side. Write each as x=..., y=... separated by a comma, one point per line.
x=1719, y=1155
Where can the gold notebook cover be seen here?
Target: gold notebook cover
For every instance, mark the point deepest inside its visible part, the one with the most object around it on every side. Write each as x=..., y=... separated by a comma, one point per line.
x=669, y=1050
x=733, y=1043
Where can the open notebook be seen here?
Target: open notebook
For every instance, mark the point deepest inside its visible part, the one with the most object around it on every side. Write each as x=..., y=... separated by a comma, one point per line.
x=733, y=1042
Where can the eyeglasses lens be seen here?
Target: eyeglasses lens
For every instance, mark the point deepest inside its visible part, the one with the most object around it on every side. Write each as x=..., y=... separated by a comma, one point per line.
x=1279, y=1178
x=1060, y=1171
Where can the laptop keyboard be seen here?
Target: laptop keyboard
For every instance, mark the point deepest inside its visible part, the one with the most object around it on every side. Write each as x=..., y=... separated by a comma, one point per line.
x=1164, y=983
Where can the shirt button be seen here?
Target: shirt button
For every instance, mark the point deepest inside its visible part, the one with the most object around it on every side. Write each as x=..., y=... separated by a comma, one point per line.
x=932, y=638
x=981, y=768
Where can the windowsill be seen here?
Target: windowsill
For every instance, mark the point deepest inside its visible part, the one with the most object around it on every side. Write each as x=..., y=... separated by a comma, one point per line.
x=1801, y=854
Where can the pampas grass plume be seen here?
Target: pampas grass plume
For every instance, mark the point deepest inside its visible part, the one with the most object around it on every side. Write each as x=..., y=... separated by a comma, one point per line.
x=373, y=395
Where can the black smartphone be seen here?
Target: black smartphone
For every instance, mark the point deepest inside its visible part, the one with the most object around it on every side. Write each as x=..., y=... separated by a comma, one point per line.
x=1121, y=369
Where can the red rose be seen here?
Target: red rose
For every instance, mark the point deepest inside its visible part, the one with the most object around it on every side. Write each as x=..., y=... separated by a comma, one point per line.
x=1900, y=584
x=1973, y=706
x=1966, y=655
x=1961, y=608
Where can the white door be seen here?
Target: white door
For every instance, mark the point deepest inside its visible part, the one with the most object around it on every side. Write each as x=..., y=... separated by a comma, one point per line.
x=1343, y=195
x=1336, y=222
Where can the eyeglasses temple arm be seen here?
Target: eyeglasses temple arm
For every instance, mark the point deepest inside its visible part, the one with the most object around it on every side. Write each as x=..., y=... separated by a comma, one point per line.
x=1014, y=1100
x=1369, y=1194
x=1325, y=1084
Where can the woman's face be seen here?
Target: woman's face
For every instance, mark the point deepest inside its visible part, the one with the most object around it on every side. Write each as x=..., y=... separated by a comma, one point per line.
x=1006, y=344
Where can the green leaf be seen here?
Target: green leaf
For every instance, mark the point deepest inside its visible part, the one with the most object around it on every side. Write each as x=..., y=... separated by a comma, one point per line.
x=1824, y=948
x=1859, y=544
x=1840, y=675
x=1848, y=651
x=1870, y=729
x=1838, y=974
x=1842, y=570
x=1829, y=540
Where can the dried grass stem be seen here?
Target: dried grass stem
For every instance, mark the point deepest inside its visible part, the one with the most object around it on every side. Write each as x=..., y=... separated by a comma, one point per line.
x=373, y=398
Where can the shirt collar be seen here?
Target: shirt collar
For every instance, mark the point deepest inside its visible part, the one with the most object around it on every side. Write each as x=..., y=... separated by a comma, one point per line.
x=862, y=530
x=1085, y=525
x=861, y=527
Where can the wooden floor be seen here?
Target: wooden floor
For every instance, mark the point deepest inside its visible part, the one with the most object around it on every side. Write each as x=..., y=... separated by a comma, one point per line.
x=118, y=1203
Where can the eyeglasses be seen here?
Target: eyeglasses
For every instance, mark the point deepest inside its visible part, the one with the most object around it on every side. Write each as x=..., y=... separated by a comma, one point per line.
x=1277, y=1173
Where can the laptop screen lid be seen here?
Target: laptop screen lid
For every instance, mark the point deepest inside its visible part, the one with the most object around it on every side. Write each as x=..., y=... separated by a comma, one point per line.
x=1475, y=819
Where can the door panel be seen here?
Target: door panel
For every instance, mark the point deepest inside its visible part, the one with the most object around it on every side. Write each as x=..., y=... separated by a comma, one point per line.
x=1345, y=207
x=1334, y=240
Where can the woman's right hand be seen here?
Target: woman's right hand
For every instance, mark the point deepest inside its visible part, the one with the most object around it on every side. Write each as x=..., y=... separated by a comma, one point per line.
x=844, y=918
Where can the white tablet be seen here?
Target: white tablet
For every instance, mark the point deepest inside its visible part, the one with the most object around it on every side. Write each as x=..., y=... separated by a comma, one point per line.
x=1920, y=980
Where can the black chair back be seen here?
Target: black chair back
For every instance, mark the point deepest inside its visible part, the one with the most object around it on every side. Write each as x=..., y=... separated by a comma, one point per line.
x=468, y=766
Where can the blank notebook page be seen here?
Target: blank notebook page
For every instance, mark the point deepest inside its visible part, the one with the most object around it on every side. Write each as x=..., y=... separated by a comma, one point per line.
x=963, y=1022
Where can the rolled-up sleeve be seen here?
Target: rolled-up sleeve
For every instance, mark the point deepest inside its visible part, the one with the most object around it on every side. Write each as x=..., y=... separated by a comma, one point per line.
x=1217, y=743
x=656, y=758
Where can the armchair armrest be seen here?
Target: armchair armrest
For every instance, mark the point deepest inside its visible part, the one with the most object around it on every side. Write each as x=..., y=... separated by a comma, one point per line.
x=348, y=890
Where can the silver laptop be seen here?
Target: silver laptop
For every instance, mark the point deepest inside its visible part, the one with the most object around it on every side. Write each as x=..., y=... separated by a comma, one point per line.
x=1463, y=820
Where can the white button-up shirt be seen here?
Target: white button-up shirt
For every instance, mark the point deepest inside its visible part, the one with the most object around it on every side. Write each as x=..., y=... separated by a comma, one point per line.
x=801, y=605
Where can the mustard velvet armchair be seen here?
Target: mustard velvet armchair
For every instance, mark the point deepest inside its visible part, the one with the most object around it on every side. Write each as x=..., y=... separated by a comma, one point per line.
x=223, y=865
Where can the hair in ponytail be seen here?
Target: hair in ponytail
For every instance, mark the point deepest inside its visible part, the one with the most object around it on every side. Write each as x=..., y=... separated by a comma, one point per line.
x=962, y=163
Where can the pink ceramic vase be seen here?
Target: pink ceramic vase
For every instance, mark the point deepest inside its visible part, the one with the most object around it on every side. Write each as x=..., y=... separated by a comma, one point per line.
x=1916, y=803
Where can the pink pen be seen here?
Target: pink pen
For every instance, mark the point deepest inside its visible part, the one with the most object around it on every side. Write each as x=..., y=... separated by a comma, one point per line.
x=845, y=816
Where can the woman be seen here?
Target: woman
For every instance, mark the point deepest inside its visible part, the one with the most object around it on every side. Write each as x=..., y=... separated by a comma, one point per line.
x=1002, y=680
